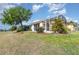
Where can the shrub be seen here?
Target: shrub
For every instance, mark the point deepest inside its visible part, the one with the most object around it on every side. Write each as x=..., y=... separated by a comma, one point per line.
x=62, y=30
x=13, y=28
x=40, y=30
x=24, y=28
x=19, y=29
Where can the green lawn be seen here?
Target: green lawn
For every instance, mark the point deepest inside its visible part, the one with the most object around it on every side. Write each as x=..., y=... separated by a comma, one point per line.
x=34, y=43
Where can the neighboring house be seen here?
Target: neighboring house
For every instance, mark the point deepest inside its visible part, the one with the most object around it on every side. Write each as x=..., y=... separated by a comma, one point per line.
x=71, y=27
x=47, y=25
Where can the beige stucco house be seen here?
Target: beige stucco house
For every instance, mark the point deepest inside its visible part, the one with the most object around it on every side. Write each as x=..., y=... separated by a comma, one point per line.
x=47, y=25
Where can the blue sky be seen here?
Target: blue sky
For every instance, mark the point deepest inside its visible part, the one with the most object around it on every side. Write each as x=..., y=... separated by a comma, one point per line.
x=44, y=11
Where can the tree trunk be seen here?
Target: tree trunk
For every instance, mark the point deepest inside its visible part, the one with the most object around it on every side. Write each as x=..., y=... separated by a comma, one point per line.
x=4, y=28
x=21, y=24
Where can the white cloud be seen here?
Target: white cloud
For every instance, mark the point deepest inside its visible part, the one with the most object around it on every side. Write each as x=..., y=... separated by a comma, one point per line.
x=63, y=11
x=71, y=19
x=55, y=6
x=36, y=7
x=52, y=7
x=48, y=16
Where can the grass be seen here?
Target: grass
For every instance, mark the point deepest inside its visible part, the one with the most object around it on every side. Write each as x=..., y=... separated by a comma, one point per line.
x=29, y=43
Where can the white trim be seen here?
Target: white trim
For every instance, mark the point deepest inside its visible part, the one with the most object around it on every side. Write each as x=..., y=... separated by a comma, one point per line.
x=32, y=28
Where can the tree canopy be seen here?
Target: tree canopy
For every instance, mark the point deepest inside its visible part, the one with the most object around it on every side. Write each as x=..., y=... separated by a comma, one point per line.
x=16, y=15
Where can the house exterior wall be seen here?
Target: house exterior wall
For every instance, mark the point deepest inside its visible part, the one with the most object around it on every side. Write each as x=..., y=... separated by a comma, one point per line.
x=41, y=24
x=51, y=24
x=47, y=25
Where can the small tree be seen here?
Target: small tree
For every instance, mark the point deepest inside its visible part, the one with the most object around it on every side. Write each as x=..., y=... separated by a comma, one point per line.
x=58, y=26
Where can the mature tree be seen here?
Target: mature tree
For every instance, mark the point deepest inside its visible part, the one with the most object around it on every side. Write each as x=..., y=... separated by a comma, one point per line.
x=16, y=15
